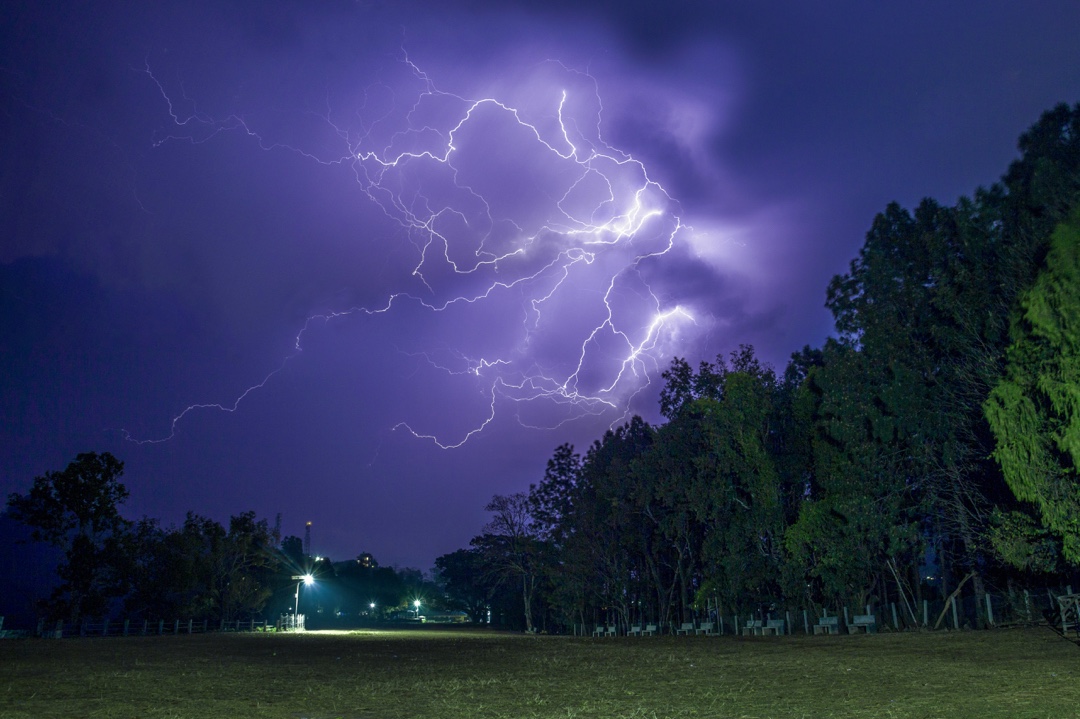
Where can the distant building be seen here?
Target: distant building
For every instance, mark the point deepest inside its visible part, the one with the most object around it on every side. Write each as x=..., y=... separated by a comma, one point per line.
x=367, y=561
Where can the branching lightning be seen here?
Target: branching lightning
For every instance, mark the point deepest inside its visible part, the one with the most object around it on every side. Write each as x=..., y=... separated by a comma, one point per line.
x=553, y=225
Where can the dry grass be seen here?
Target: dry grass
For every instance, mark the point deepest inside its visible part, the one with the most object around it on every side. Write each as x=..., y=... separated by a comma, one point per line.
x=471, y=674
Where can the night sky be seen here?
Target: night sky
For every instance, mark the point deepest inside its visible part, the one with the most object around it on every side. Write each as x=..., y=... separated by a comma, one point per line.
x=367, y=264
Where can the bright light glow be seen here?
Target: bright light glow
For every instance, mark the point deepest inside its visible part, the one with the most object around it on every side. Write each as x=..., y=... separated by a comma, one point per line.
x=308, y=579
x=517, y=203
x=416, y=603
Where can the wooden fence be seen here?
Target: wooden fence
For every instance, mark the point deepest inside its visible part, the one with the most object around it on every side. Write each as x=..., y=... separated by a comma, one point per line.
x=1059, y=608
x=127, y=628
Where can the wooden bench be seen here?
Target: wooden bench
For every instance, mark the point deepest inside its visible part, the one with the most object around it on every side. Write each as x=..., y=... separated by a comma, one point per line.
x=686, y=627
x=773, y=626
x=705, y=628
x=865, y=622
x=634, y=631
x=753, y=627
x=598, y=631
x=612, y=631
x=827, y=625
x=649, y=630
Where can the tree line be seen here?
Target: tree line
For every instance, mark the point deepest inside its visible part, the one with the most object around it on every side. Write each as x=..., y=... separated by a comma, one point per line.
x=201, y=569
x=931, y=445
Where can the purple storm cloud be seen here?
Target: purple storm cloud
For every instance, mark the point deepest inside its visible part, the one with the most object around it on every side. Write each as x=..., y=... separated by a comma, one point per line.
x=537, y=248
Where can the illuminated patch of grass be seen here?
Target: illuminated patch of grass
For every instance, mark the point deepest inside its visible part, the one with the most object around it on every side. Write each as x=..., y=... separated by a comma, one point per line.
x=454, y=674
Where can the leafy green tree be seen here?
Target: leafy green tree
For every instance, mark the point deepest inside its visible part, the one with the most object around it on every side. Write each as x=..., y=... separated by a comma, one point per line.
x=466, y=583
x=551, y=501
x=243, y=564
x=77, y=510
x=732, y=483
x=161, y=575
x=604, y=552
x=364, y=583
x=1035, y=410
x=928, y=302
x=512, y=548
x=859, y=511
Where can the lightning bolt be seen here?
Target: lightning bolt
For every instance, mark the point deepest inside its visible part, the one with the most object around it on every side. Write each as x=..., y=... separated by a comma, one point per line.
x=557, y=231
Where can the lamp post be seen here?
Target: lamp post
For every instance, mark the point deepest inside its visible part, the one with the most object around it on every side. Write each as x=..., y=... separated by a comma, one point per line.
x=304, y=579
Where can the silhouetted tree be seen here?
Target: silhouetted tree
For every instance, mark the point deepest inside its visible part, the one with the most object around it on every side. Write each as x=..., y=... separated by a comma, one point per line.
x=77, y=510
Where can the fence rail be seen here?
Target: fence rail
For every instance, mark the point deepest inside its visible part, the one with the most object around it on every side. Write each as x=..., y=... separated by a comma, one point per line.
x=145, y=627
x=1057, y=607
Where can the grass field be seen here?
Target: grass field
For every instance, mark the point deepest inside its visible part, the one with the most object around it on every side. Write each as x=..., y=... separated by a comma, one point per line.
x=452, y=674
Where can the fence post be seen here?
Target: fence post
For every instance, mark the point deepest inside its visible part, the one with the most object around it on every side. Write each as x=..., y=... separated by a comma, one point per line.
x=176, y=626
x=189, y=626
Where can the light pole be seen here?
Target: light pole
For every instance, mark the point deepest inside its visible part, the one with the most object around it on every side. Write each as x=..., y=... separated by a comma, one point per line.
x=304, y=579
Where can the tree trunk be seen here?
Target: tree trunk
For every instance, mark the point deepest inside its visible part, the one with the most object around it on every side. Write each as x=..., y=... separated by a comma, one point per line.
x=527, y=595
x=952, y=597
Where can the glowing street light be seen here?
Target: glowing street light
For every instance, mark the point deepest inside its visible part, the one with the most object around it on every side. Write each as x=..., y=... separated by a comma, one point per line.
x=305, y=579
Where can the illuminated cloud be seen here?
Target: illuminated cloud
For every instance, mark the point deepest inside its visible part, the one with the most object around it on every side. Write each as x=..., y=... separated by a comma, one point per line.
x=531, y=239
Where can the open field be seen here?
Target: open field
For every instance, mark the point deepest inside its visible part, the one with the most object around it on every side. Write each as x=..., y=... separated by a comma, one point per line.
x=458, y=674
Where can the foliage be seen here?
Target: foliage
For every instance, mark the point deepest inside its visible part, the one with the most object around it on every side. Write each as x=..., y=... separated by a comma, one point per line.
x=869, y=457
x=77, y=510
x=511, y=547
x=202, y=570
x=466, y=582
x=1035, y=409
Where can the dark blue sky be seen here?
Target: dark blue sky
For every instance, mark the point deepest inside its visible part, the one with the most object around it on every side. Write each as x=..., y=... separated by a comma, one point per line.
x=490, y=226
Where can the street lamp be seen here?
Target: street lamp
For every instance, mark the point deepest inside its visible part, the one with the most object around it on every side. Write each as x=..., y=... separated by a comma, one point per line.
x=305, y=579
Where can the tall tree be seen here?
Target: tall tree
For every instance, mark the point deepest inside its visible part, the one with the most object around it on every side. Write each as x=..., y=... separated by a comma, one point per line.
x=1035, y=409
x=858, y=511
x=605, y=551
x=466, y=584
x=77, y=510
x=512, y=548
